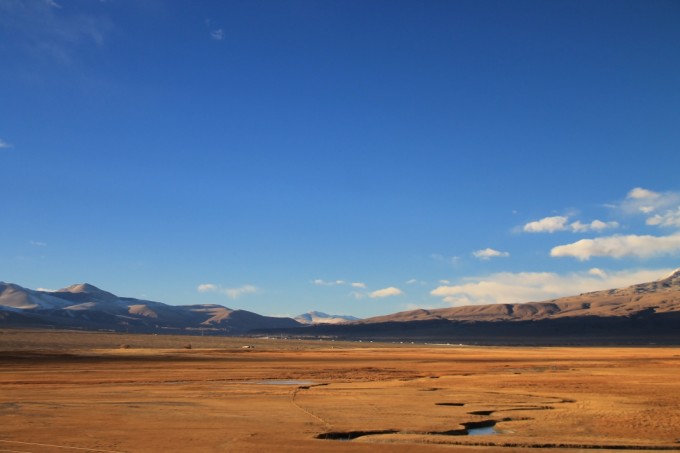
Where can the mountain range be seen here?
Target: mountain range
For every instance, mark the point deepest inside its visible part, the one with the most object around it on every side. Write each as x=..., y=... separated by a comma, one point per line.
x=641, y=314
x=85, y=306
x=660, y=296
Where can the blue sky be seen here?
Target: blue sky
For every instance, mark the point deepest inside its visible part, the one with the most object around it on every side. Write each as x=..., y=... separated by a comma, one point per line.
x=353, y=157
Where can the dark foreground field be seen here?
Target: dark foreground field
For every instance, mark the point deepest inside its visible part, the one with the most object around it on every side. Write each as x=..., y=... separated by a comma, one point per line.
x=83, y=392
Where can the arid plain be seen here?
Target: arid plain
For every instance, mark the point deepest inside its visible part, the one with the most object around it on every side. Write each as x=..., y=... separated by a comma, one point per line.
x=62, y=391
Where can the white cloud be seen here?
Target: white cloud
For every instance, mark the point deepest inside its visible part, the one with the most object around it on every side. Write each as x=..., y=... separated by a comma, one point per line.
x=4, y=144
x=645, y=201
x=579, y=227
x=620, y=246
x=639, y=193
x=670, y=218
x=233, y=293
x=488, y=253
x=595, y=225
x=597, y=272
x=38, y=243
x=547, y=225
x=599, y=225
x=357, y=294
x=508, y=287
x=207, y=288
x=386, y=292
x=321, y=282
x=559, y=223
x=217, y=35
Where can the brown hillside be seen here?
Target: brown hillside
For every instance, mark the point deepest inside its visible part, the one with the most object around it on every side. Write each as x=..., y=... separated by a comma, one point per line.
x=661, y=296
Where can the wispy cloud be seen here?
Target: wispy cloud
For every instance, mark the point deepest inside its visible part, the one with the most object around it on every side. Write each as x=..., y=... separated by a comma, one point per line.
x=386, y=292
x=321, y=282
x=489, y=253
x=620, y=246
x=48, y=28
x=662, y=208
x=510, y=287
x=38, y=243
x=669, y=218
x=445, y=259
x=645, y=201
x=233, y=293
x=4, y=144
x=217, y=35
x=595, y=225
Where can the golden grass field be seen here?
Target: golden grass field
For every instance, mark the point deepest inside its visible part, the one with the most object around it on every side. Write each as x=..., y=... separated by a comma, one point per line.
x=82, y=392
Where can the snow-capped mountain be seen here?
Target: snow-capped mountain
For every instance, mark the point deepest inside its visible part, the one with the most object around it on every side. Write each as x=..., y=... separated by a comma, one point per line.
x=88, y=307
x=317, y=317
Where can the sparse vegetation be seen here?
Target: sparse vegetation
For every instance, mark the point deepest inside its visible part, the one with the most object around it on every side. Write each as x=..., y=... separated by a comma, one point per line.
x=378, y=394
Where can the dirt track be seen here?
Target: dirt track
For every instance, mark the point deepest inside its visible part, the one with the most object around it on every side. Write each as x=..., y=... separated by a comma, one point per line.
x=77, y=394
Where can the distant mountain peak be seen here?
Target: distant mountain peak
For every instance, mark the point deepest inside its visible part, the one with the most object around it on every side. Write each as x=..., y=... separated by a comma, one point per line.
x=318, y=317
x=85, y=306
x=82, y=288
x=90, y=291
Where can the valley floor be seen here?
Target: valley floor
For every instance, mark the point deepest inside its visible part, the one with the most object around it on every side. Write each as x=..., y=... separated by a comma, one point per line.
x=83, y=392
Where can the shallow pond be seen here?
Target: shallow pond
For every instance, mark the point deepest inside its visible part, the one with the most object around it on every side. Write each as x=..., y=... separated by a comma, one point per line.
x=483, y=431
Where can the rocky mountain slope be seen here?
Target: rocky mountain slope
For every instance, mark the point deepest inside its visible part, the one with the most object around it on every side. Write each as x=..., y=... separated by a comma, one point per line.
x=661, y=296
x=87, y=307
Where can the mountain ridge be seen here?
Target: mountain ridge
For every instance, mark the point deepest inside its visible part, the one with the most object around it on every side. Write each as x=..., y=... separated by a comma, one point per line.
x=641, y=313
x=85, y=306
x=626, y=301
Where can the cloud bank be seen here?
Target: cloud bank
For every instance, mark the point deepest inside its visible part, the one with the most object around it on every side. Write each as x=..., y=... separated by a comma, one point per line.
x=620, y=246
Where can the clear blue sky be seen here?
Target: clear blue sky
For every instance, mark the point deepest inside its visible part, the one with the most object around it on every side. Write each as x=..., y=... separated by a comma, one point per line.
x=354, y=157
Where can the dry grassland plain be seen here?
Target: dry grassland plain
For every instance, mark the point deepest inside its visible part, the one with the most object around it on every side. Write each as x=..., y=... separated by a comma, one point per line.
x=83, y=392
